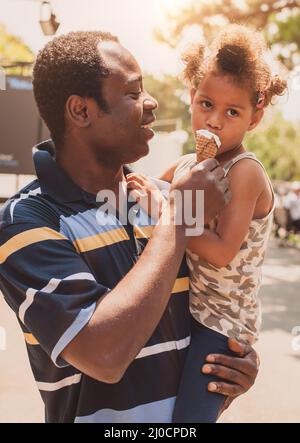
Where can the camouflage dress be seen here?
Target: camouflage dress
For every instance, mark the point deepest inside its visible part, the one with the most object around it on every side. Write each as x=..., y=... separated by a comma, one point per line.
x=226, y=299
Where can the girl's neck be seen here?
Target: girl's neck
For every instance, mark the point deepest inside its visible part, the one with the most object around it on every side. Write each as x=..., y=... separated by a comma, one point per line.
x=225, y=157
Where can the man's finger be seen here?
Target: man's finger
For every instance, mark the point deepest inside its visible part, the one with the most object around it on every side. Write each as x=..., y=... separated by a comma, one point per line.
x=225, y=388
x=208, y=165
x=246, y=367
x=220, y=173
x=228, y=374
x=227, y=196
x=224, y=183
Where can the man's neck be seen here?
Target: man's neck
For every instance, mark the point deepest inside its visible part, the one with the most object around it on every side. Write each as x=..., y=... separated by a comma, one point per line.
x=88, y=173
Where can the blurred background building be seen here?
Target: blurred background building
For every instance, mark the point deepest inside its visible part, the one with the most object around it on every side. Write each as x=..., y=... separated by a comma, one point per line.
x=156, y=33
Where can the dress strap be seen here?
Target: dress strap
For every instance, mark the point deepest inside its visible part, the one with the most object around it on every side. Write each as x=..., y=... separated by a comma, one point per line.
x=251, y=156
x=234, y=160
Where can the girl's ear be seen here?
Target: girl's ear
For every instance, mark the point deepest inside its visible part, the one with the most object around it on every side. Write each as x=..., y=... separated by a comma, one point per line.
x=192, y=94
x=256, y=118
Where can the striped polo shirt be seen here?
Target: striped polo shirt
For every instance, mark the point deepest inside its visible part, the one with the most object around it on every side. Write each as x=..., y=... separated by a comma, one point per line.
x=58, y=256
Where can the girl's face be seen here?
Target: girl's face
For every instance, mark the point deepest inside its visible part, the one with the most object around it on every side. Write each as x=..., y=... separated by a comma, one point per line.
x=224, y=108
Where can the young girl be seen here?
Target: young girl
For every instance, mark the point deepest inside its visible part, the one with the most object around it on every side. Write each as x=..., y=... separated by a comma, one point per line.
x=230, y=86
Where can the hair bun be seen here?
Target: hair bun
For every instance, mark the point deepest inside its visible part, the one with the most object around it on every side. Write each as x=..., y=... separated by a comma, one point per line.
x=232, y=59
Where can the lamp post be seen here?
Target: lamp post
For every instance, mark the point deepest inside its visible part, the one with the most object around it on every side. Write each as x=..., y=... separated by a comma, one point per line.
x=48, y=21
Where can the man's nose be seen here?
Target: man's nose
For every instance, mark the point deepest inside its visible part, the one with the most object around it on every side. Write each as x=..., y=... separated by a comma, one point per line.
x=150, y=103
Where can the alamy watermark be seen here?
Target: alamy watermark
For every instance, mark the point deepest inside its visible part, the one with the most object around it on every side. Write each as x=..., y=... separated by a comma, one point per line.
x=2, y=79
x=138, y=208
x=296, y=338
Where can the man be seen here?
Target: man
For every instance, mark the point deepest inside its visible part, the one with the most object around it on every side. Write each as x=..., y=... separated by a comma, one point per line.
x=292, y=204
x=105, y=317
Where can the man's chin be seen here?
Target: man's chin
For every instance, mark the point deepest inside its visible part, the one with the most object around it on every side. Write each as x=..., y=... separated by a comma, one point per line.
x=141, y=152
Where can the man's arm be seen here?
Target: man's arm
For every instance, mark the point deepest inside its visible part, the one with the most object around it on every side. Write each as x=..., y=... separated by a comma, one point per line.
x=126, y=317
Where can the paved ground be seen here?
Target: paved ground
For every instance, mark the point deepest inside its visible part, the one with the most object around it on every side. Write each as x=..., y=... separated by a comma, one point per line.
x=276, y=394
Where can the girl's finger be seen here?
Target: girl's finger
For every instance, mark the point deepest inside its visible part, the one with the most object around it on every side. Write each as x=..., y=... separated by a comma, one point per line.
x=133, y=184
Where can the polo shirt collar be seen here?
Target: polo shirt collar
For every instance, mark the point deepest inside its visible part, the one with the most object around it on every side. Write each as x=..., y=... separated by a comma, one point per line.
x=54, y=181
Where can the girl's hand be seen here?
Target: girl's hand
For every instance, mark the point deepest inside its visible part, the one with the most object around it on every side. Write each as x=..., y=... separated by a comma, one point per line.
x=146, y=194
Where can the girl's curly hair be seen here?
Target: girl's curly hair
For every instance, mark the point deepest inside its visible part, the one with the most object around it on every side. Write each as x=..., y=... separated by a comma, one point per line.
x=240, y=52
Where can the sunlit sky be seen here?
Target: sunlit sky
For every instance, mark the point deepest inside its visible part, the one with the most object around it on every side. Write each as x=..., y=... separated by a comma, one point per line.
x=132, y=21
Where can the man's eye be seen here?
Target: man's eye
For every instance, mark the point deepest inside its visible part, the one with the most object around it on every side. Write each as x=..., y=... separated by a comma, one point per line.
x=206, y=105
x=232, y=112
x=135, y=95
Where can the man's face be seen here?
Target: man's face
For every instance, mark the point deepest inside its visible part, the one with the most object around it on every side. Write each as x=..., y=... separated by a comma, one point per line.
x=120, y=136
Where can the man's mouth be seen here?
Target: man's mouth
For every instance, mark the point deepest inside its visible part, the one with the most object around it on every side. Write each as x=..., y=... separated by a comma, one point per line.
x=148, y=123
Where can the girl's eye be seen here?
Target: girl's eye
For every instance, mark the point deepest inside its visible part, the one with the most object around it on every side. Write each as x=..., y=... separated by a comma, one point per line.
x=206, y=105
x=232, y=112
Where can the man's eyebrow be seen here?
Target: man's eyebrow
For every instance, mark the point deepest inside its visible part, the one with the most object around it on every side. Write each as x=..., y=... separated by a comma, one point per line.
x=230, y=105
x=134, y=79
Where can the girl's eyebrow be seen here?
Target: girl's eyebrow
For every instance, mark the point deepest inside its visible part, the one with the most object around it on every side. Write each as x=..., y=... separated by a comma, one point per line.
x=205, y=96
x=227, y=104
x=236, y=106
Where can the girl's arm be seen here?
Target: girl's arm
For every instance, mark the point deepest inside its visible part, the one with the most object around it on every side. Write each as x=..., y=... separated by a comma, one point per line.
x=247, y=182
x=168, y=174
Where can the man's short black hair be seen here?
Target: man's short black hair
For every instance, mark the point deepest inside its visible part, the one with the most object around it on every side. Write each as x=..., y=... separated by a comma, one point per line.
x=68, y=64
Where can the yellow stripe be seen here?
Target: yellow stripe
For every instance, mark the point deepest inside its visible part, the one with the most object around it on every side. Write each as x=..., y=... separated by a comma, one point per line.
x=143, y=231
x=100, y=240
x=27, y=238
x=181, y=284
x=30, y=339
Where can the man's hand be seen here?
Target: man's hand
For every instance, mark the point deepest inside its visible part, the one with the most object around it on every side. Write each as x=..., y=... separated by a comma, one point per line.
x=209, y=177
x=238, y=372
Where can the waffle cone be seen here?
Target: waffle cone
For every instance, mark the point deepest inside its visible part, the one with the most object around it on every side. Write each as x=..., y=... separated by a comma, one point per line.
x=205, y=148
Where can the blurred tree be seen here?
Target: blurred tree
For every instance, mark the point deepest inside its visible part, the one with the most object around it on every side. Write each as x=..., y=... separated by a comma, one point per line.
x=276, y=143
x=287, y=38
x=13, y=51
x=279, y=20
x=173, y=102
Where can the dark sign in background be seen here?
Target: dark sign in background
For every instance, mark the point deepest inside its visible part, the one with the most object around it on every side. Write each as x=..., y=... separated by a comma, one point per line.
x=20, y=126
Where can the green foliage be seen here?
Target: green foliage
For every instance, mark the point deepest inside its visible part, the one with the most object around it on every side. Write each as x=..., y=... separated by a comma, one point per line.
x=212, y=15
x=13, y=50
x=277, y=145
x=169, y=92
x=288, y=36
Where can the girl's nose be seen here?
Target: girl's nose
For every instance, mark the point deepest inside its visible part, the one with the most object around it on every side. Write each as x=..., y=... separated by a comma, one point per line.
x=214, y=122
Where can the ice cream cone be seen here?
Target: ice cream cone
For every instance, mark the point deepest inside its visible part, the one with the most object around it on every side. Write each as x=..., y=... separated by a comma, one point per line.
x=207, y=145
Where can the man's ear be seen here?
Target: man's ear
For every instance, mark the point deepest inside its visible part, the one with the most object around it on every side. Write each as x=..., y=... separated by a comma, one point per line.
x=256, y=118
x=77, y=111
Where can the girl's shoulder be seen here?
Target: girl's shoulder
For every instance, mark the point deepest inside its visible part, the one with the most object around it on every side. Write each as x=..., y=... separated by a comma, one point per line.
x=246, y=168
x=249, y=179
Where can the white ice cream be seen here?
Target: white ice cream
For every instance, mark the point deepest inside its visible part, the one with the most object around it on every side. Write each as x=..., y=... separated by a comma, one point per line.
x=208, y=134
